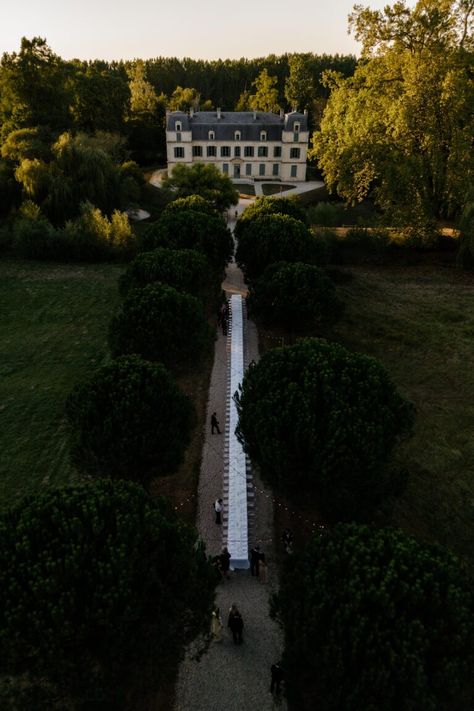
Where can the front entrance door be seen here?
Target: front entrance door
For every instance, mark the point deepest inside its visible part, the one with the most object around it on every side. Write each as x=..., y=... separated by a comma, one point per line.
x=236, y=171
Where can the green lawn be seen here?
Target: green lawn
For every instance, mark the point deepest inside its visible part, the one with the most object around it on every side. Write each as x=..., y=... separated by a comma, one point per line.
x=419, y=321
x=53, y=326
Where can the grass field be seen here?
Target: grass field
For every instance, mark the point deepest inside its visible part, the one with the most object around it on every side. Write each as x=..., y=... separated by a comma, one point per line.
x=53, y=326
x=419, y=321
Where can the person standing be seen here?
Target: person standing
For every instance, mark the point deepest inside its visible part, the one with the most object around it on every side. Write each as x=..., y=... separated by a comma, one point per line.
x=216, y=625
x=218, y=510
x=263, y=570
x=235, y=624
x=277, y=677
x=225, y=563
x=254, y=560
x=214, y=423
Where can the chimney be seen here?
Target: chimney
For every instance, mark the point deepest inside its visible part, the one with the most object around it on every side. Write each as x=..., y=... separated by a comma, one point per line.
x=255, y=114
x=218, y=112
x=282, y=113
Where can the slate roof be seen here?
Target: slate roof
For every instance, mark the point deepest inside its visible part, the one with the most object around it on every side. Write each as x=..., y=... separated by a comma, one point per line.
x=230, y=121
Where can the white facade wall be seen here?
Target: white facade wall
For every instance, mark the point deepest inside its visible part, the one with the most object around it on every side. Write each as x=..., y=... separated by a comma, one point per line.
x=284, y=162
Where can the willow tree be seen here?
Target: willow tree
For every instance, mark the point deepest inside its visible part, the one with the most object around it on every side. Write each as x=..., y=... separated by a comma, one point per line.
x=401, y=128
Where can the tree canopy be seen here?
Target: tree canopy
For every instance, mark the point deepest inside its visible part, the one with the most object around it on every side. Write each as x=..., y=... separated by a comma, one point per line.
x=161, y=324
x=269, y=206
x=266, y=93
x=294, y=296
x=276, y=238
x=375, y=619
x=203, y=179
x=400, y=129
x=129, y=420
x=98, y=581
x=319, y=419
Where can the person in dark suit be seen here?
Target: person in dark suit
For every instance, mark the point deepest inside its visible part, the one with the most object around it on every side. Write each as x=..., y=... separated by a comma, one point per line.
x=214, y=423
x=235, y=624
x=255, y=556
x=277, y=677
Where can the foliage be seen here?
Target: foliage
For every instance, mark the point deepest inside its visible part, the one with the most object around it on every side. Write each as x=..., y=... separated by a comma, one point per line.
x=183, y=99
x=10, y=193
x=294, y=296
x=34, y=237
x=299, y=86
x=161, y=324
x=276, y=238
x=98, y=581
x=192, y=202
x=319, y=419
x=400, y=129
x=143, y=98
x=375, y=619
x=94, y=237
x=466, y=247
x=204, y=180
x=183, y=269
x=190, y=229
x=325, y=214
x=265, y=205
x=26, y=143
x=129, y=420
x=266, y=94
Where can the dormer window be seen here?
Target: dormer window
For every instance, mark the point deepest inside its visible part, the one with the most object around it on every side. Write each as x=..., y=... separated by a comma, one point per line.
x=263, y=135
x=237, y=136
x=178, y=126
x=296, y=127
x=211, y=135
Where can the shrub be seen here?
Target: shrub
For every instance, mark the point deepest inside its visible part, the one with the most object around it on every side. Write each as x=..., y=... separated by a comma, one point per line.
x=317, y=418
x=196, y=203
x=276, y=238
x=188, y=229
x=205, y=180
x=294, y=296
x=129, y=420
x=325, y=214
x=374, y=619
x=98, y=581
x=94, y=237
x=37, y=239
x=161, y=324
x=183, y=269
x=269, y=206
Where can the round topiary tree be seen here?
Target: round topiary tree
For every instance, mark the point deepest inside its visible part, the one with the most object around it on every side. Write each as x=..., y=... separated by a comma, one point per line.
x=265, y=205
x=374, y=619
x=317, y=418
x=188, y=229
x=98, y=581
x=183, y=269
x=161, y=324
x=277, y=238
x=294, y=297
x=129, y=420
x=205, y=180
x=196, y=203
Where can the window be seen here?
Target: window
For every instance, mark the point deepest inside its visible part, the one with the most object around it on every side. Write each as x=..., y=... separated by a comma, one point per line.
x=275, y=168
x=294, y=152
x=237, y=151
x=248, y=151
x=294, y=169
x=237, y=136
x=179, y=152
x=296, y=137
x=225, y=168
x=277, y=152
x=211, y=135
x=225, y=151
x=178, y=126
x=262, y=151
x=211, y=151
x=248, y=169
x=178, y=137
x=261, y=169
x=263, y=135
x=197, y=151
x=296, y=127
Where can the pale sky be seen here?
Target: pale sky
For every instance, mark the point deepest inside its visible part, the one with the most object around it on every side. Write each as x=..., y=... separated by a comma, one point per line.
x=201, y=29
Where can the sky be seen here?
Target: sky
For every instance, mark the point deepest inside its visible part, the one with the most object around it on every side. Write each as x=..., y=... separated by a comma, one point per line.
x=201, y=29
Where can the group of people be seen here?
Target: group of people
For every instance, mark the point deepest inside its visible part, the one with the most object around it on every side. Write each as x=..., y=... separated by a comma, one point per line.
x=221, y=563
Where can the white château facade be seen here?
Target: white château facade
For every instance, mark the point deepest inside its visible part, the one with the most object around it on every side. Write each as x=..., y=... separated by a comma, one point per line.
x=249, y=145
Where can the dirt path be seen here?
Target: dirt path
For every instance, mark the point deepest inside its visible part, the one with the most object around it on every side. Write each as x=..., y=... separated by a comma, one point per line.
x=233, y=677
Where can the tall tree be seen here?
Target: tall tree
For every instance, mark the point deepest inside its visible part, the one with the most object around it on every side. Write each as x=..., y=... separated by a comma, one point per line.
x=266, y=95
x=299, y=86
x=143, y=98
x=183, y=99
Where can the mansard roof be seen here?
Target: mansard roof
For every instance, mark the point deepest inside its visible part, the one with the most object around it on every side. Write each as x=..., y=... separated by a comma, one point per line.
x=201, y=122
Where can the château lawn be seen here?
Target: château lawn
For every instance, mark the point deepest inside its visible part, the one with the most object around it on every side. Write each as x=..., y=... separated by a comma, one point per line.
x=53, y=326
x=419, y=321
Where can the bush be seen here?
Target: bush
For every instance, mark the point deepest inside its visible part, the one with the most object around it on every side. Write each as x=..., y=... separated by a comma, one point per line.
x=183, y=269
x=374, y=619
x=325, y=214
x=37, y=239
x=205, y=180
x=276, y=238
x=99, y=583
x=188, y=229
x=294, y=296
x=129, y=420
x=94, y=237
x=319, y=419
x=196, y=203
x=161, y=324
x=269, y=206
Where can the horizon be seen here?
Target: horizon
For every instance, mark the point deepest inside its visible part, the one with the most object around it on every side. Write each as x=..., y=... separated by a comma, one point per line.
x=118, y=32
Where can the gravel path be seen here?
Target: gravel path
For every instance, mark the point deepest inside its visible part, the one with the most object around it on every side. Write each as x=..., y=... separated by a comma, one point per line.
x=233, y=677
